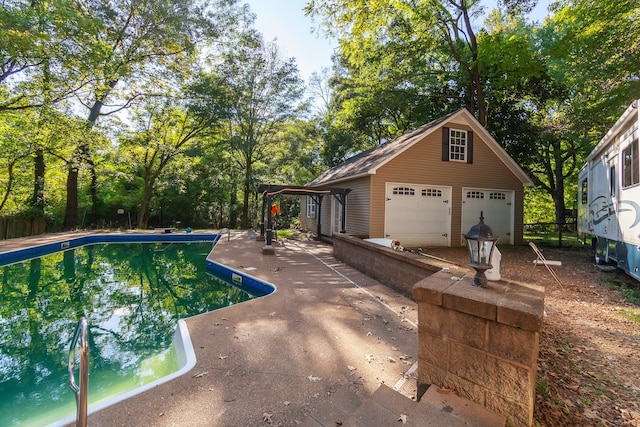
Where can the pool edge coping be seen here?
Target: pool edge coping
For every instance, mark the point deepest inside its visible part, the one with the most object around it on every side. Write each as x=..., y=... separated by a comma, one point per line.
x=182, y=339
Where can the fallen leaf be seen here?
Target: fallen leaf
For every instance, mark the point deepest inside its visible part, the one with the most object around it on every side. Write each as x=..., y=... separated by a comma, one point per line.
x=444, y=390
x=200, y=374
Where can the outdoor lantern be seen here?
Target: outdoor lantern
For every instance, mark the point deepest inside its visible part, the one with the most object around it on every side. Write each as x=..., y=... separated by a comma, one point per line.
x=480, y=241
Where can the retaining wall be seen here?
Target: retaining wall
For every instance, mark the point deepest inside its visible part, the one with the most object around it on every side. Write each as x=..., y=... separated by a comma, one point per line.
x=398, y=270
x=481, y=342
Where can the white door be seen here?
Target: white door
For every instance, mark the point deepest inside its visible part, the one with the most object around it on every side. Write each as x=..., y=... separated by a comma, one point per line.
x=497, y=208
x=336, y=216
x=418, y=214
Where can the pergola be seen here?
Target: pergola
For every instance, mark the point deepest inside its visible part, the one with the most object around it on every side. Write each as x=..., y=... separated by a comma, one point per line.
x=268, y=191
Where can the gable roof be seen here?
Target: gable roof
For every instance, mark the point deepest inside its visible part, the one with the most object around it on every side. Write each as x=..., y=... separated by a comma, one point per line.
x=368, y=162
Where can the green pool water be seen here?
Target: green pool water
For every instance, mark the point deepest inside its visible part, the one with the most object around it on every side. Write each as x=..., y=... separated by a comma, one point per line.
x=132, y=295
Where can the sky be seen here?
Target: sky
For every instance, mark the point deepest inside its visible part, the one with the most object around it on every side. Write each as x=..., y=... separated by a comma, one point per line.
x=284, y=21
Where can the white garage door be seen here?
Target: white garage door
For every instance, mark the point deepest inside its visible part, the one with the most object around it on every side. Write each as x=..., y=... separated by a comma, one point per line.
x=497, y=206
x=418, y=215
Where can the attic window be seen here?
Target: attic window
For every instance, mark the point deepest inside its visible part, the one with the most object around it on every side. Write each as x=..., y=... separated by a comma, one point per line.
x=457, y=145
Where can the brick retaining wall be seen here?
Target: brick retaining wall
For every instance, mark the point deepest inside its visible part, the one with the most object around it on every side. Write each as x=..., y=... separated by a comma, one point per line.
x=482, y=342
x=398, y=270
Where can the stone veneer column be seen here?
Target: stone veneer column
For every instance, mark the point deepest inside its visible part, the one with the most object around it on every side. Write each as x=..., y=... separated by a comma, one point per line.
x=482, y=342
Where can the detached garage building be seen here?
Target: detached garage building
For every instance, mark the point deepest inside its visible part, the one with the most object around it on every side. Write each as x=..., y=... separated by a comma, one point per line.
x=426, y=188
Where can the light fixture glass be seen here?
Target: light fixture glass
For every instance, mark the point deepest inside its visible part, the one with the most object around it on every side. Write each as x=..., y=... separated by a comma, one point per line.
x=480, y=241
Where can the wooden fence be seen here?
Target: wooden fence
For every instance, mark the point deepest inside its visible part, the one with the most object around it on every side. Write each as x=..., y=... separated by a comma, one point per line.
x=12, y=227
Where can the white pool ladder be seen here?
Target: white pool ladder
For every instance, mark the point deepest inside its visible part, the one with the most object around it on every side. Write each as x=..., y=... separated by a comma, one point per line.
x=80, y=340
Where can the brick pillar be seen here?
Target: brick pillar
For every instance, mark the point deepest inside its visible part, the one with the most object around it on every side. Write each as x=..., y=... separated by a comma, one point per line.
x=482, y=342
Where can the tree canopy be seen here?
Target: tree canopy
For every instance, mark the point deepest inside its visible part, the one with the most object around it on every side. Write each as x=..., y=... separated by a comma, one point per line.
x=176, y=111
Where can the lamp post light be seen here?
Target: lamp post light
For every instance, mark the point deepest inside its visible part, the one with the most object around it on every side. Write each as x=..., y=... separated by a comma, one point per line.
x=480, y=242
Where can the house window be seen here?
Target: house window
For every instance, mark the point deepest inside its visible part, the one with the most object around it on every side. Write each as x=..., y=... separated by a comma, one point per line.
x=630, y=166
x=431, y=192
x=475, y=195
x=457, y=145
x=497, y=196
x=404, y=191
x=311, y=207
x=585, y=189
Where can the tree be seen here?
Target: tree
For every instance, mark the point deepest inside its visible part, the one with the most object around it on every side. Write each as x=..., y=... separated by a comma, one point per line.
x=40, y=51
x=593, y=47
x=427, y=39
x=263, y=91
x=144, y=44
x=166, y=131
x=14, y=149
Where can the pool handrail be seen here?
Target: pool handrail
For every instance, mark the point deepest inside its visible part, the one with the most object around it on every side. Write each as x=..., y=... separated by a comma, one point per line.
x=81, y=340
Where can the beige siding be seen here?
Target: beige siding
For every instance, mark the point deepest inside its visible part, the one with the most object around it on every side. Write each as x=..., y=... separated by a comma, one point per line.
x=325, y=220
x=311, y=224
x=306, y=223
x=358, y=206
x=422, y=164
x=357, y=221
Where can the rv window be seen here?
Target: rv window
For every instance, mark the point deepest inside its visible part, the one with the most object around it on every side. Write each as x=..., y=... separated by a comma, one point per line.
x=585, y=189
x=612, y=181
x=630, y=166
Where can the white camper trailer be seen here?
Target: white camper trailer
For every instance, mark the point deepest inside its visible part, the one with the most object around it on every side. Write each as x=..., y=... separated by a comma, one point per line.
x=609, y=195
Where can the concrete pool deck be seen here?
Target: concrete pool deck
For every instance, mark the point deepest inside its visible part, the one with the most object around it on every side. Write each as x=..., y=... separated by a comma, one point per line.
x=321, y=350
x=327, y=331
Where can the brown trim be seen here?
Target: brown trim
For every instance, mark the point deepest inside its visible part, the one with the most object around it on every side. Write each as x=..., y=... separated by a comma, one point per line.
x=445, y=144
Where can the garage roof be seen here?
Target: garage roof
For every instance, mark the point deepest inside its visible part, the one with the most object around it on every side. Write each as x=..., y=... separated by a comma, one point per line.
x=368, y=162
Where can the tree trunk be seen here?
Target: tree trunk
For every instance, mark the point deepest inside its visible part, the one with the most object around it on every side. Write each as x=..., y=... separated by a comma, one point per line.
x=143, y=214
x=246, y=188
x=37, y=200
x=245, y=207
x=233, y=214
x=71, y=211
x=9, y=184
x=558, y=201
x=83, y=154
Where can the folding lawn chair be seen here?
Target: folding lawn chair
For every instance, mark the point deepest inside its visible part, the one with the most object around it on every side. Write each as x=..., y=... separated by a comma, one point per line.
x=541, y=260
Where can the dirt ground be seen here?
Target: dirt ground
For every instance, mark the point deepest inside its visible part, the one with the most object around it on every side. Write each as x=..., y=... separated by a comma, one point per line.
x=589, y=360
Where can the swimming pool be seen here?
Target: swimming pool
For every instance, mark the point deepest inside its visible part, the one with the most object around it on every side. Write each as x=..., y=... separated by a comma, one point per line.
x=132, y=295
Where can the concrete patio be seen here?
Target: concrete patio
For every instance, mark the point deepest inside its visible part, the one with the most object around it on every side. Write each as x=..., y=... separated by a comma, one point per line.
x=330, y=347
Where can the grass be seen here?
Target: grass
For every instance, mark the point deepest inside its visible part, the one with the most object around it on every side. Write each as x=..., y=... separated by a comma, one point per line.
x=631, y=294
x=542, y=387
x=286, y=234
x=551, y=239
x=632, y=314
